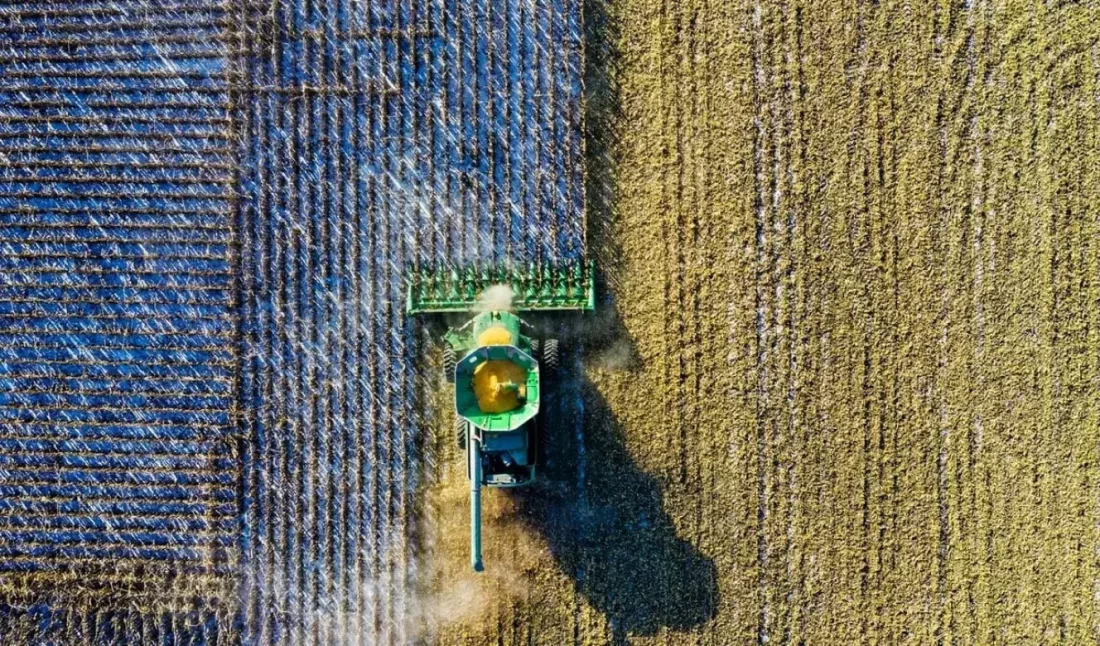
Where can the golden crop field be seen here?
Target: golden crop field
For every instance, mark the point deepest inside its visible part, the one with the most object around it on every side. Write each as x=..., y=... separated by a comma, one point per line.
x=844, y=384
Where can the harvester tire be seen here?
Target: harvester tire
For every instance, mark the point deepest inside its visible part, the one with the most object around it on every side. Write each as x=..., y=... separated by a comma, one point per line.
x=460, y=431
x=550, y=357
x=536, y=348
x=449, y=362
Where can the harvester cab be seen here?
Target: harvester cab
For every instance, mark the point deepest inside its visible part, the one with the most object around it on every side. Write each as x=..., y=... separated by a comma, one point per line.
x=499, y=366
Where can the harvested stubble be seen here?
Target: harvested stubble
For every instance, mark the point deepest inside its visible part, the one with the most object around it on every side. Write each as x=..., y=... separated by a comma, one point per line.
x=853, y=247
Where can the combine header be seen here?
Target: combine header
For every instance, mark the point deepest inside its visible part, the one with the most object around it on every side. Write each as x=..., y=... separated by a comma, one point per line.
x=536, y=287
x=499, y=366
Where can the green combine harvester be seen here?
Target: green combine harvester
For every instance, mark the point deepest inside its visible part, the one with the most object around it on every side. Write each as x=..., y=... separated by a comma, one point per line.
x=499, y=365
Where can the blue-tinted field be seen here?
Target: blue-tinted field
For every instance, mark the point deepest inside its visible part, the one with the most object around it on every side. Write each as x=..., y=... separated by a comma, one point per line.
x=208, y=397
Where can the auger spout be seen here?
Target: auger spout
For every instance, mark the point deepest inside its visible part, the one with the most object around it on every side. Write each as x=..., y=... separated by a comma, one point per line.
x=473, y=452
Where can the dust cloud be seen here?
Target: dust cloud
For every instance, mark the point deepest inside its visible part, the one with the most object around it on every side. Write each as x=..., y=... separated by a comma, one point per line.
x=497, y=298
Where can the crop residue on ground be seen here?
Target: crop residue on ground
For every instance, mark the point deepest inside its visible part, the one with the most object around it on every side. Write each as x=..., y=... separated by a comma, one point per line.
x=851, y=251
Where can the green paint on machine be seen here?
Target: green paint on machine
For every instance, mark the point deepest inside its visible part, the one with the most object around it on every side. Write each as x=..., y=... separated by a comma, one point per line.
x=499, y=348
x=534, y=287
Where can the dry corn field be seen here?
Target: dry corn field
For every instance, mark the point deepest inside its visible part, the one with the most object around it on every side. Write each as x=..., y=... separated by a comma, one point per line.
x=844, y=385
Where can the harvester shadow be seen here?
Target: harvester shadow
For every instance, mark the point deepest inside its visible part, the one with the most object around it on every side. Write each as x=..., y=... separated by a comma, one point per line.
x=602, y=515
